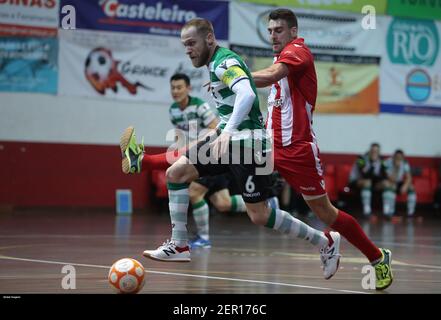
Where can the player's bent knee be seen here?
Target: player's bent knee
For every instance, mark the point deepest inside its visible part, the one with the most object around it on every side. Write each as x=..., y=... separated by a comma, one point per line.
x=196, y=192
x=172, y=175
x=257, y=219
x=175, y=174
x=257, y=215
x=181, y=172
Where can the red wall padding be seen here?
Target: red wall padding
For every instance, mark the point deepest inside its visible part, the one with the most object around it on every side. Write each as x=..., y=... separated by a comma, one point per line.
x=52, y=174
x=47, y=174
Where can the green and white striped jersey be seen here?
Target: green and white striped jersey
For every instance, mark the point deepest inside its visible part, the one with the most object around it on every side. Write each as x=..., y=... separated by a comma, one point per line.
x=399, y=172
x=226, y=69
x=196, y=116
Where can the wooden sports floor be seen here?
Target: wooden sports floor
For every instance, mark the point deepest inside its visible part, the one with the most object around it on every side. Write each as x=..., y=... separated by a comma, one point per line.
x=36, y=244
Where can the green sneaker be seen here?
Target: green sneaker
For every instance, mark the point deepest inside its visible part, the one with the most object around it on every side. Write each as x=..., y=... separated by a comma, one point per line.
x=132, y=152
x=383, y=270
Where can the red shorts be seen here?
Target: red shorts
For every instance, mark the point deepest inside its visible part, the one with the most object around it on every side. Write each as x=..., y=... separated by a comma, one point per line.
x=300, y=165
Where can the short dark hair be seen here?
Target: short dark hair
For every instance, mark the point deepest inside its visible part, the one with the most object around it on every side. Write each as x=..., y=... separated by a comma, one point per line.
x=284, y=14
x=180, y=76
x=375, y=144
x=203, y=26
x=399, y=151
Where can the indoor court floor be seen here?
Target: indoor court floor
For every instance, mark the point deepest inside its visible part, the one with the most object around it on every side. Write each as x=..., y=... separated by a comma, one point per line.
x=36, y=244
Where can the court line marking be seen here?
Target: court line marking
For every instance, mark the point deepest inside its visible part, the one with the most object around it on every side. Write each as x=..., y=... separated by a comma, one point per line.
x=307, y=256
x=187, y=275
x=20, y=246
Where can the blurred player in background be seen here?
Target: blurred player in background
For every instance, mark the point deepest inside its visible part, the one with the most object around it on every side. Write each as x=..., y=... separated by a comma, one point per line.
x=234, y=92
x=368, y=174
x=291, y=103
x=399, y=180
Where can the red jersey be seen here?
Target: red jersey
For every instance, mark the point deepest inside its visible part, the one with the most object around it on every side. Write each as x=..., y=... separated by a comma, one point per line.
x=292, y=99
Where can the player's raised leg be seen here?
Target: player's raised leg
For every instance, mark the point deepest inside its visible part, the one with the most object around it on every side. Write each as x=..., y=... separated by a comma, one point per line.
x=132, y=152
x=134, y=159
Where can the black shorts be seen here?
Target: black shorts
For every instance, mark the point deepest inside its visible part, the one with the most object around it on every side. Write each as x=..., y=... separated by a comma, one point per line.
x=277, y=184
x=253, y=187
x=214, y=183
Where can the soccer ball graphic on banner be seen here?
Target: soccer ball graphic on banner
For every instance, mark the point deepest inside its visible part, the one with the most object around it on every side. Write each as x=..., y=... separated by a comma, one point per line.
x=101, y=70
x=126, y=276
x=99, y=65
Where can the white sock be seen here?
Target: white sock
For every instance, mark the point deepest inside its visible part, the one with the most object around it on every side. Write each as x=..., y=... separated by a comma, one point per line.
x=283, y=222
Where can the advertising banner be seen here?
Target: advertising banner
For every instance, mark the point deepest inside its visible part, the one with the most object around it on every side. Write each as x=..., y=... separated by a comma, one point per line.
x=415, y=9
x=156, y=17
x=28, y=64
x=336, y=5
x=119, y=65
x=324, y=32
x=347, y=57
x=411, y=67
x=29, y=18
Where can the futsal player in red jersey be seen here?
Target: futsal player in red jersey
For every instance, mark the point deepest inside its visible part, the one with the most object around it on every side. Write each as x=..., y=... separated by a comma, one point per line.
x=291, y=104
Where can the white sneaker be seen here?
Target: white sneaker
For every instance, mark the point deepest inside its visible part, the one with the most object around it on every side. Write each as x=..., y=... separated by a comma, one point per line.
x=169, y=252
x=330, y=256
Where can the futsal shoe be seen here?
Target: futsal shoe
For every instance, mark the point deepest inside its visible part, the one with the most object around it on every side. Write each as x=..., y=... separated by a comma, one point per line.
x=330, y=256
x=169, y=252
x=200, y=242
x=132, y=153
x=383, y=270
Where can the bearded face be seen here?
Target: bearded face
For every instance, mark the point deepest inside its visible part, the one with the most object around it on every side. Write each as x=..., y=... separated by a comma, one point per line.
x=196, y=46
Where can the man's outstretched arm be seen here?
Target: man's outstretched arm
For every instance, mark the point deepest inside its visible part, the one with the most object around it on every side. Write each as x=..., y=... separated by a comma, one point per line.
x=270, y=75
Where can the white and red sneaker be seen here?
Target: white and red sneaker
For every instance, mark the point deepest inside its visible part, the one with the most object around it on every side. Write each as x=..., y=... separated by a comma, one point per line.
x=330, y=255
x=169, y=252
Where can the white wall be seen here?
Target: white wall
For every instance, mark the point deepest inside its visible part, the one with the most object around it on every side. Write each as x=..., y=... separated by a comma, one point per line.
x=416, y=135
x=35, y=117
x=43, y=118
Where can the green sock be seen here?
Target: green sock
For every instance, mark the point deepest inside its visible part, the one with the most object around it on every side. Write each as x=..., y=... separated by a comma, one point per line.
x=237, y=204
x=201, y=214
x=178, y=205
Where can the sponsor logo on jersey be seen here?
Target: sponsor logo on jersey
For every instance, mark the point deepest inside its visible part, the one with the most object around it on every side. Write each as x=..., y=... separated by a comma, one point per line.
x=307, y=188
x=251, y=195
x=276, y=103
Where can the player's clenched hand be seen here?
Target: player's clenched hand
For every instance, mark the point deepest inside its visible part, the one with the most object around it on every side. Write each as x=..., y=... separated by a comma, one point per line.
x=220, y=145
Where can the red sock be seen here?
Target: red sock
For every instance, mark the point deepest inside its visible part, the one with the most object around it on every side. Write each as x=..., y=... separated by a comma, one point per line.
x=159, y=161
x=349, y=228
x=154, y=161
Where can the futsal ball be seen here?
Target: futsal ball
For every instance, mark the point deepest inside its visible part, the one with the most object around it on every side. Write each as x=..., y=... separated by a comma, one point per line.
x=126, y=276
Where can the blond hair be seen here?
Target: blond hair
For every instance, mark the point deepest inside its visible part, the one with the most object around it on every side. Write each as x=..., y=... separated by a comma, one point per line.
x=203, y=26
